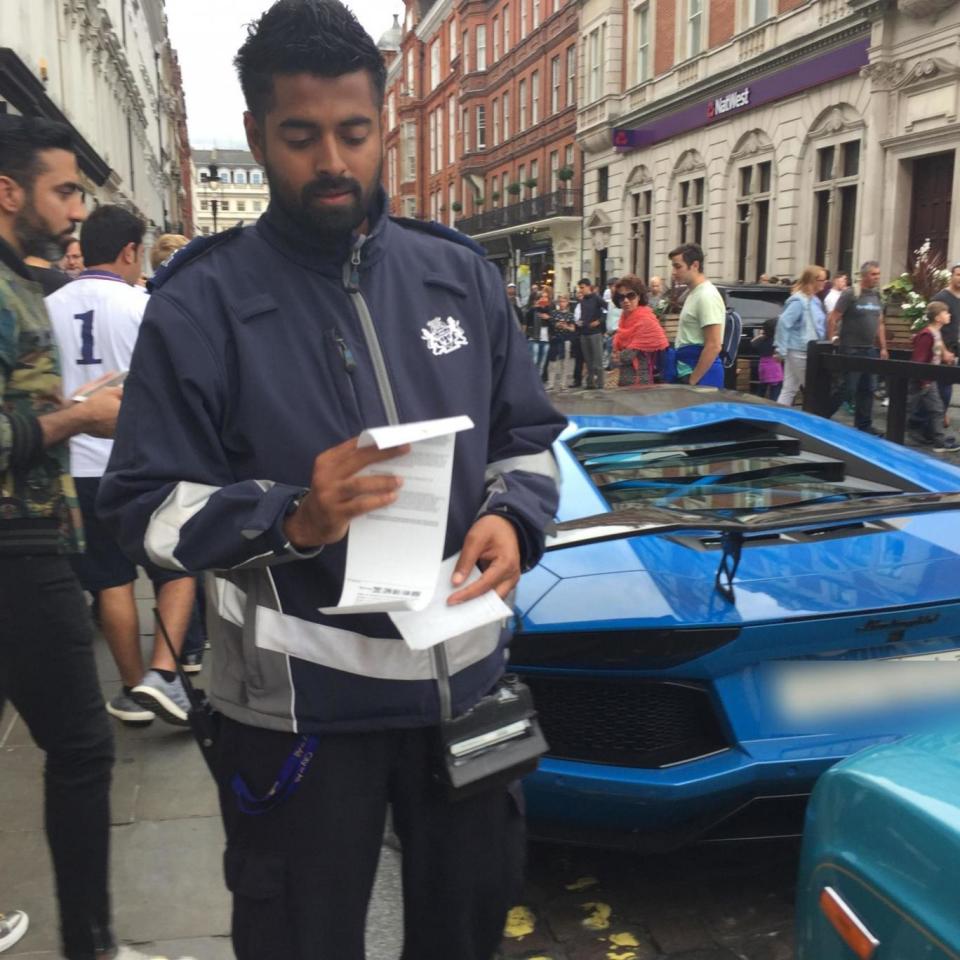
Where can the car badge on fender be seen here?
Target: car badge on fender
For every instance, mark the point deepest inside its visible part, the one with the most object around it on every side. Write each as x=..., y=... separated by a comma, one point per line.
x=443, y=336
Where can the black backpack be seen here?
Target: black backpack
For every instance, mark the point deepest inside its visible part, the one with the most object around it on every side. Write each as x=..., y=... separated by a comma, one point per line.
x=732, y=331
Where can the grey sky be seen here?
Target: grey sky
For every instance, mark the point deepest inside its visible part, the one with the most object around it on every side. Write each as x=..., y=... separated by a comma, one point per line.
x=207, y=34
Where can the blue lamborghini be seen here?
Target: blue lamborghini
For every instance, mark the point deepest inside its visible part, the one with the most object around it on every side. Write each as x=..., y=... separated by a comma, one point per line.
x=736, y=596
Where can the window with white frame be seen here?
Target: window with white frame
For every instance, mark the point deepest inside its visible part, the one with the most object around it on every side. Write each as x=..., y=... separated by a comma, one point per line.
x=554, y=171
x=496, y=39
x=452, y=130
x=554, y=84
x=240, y=176
x=435, y=64
x=434, y=205
x=409, y=206
x=506, y=28
x=568, y=159
x=534, y=176
x=481, y=127
x=754, y=183
x=452, y=39
x=465, y=127
x=571, y=75
x=522, y=97
x=535, y=97
x=451, y=200
x=409, y=142
x=521, y=176
x=524, y=25
x=224, y=176
x=506, y=114
x=596, y=52
x=392, y=182
x=466, y=51
x=640, y=211
x=481, y=37
x=257, y=206
x=694, y=27
x=495, y=120
x=409, y=78
x=835, y=193
x=224, y=205
x=256, y=177
x=759, y=11
x=241, y=206
x=536, y=14
x=641, y=34
x=432, y=120
x=204, y=204
x=391, y=114
x=690, y=209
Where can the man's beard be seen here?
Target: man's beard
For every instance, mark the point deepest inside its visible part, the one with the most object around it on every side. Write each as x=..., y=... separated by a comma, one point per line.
x=34, y=235
x=325, y=223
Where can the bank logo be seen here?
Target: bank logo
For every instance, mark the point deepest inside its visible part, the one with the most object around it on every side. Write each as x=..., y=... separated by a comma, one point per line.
x=443, y=336
x=732, y=101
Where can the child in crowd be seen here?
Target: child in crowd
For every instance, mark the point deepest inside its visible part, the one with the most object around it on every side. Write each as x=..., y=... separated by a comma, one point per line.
x=769, y=368
x=923, y=399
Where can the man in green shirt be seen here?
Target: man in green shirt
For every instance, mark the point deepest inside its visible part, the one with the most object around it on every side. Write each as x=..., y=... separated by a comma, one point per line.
x=47, y=667
x=700, y=330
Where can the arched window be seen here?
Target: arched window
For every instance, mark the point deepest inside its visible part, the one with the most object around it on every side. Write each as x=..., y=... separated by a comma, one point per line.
x=256, y=177
x=690, y=196
x=224, y=176
x=753, y=176
x=239, y=176
x=639, y=217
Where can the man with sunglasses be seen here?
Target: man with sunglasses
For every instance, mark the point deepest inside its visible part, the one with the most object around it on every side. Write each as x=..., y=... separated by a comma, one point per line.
x=47, y=667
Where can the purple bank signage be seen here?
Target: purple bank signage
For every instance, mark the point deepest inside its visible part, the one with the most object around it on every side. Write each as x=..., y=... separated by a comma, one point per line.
x=796, y=78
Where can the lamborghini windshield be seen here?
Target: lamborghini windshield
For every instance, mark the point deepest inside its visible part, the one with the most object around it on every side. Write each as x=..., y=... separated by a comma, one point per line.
x=738, y=468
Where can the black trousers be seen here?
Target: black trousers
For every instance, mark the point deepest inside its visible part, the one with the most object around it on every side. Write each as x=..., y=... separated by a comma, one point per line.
x=48, y=672
x=301, y=874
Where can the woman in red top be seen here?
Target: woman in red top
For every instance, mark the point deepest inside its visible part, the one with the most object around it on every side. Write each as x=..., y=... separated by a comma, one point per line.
x=639, y=338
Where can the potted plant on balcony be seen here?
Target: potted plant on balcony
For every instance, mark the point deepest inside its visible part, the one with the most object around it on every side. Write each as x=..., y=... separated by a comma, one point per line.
x=565, y=174
x=513, y=189
x=530, y=182
x=478, y=201
x=456, y=206
x=495, y=196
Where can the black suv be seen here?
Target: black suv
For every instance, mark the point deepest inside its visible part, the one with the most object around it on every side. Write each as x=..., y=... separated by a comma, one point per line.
x=755, y=302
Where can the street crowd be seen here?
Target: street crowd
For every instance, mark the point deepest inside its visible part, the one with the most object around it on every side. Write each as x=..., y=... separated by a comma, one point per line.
x=231, y=451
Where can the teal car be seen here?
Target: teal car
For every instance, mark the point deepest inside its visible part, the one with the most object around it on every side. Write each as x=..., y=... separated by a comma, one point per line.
x=880, y=865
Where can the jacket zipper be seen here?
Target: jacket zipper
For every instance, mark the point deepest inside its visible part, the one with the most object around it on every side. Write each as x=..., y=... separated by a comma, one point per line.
x=351, y=278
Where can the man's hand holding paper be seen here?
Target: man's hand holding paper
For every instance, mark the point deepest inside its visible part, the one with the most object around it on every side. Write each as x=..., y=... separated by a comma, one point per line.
x=491, y=543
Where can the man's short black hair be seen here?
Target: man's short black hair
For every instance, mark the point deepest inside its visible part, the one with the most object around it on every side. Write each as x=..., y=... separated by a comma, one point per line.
x=691, y=253
x=321, y=37
x=107, y=231
x=21, y=141
x=584, y=281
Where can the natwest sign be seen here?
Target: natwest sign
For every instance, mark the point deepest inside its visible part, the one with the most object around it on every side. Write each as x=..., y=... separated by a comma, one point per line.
x=732, y=101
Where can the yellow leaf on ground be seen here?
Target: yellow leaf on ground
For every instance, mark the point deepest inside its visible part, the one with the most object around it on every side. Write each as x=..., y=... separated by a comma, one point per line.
x=520, y=923
x=629, y=955
x=598, y=917
x=624, y=940
x=582, y=883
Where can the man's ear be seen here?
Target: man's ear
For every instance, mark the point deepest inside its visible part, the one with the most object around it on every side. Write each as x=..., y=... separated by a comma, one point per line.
x=254, y=136
x=11, y=195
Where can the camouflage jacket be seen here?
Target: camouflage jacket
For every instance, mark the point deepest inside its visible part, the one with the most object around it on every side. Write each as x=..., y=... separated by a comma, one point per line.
x=38, y=504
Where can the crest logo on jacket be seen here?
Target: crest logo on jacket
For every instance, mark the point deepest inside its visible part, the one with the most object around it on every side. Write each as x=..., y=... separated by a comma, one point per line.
x=443, y=336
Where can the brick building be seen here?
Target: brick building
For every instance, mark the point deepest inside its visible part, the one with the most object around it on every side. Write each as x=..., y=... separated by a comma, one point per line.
x=775, y=132
x=480, y=117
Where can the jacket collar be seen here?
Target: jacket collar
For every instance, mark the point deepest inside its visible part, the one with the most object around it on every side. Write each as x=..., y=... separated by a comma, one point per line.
x=10, y=258
x=328, y=256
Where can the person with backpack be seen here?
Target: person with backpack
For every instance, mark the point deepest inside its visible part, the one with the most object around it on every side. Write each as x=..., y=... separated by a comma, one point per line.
x=803, y=319
x=699, y=340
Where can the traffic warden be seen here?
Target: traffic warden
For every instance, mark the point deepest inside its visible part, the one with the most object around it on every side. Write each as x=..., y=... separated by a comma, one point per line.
x=264, y=352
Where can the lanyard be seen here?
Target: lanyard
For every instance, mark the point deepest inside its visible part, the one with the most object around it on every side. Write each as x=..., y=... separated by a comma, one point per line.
x=291, y=775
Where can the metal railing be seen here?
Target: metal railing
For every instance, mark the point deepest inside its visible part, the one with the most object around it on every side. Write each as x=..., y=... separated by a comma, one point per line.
x=825, y=363
x=561, y=203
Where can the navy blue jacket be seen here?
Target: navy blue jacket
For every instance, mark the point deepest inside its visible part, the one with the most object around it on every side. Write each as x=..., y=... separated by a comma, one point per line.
x=261, y=349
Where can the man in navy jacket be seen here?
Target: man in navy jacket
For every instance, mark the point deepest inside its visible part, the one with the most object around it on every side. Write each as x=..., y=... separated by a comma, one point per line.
x=263, y=354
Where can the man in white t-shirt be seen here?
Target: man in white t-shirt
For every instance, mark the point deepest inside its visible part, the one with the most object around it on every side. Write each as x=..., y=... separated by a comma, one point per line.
x=700, y=328
x=838, y=285
x=96, y=320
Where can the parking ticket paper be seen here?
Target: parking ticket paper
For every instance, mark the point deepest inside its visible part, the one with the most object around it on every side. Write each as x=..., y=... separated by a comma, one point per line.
x=394, y=553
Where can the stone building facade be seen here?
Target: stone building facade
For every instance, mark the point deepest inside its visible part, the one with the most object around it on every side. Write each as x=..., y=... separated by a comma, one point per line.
x=774, y=132
x=480, y=121
x=238, y=194
x=105, y=68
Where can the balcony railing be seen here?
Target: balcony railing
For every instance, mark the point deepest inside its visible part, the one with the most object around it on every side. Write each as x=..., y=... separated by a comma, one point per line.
x=562, y=203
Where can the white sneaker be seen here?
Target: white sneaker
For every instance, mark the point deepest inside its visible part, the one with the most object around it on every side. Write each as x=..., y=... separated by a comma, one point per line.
x=13, y=926
x=128, y=953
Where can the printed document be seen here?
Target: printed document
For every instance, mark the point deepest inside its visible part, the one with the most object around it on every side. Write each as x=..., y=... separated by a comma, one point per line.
x=394, y=553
